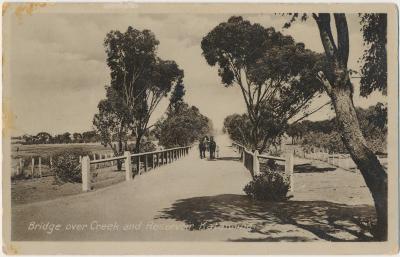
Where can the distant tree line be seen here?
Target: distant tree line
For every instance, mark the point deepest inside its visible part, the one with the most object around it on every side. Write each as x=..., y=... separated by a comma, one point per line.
x=64, y=138
x=325, y=133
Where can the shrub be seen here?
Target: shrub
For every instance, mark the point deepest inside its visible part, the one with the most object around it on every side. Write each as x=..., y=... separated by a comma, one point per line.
x=66, y=166
x=147, y=146
x=268, y=186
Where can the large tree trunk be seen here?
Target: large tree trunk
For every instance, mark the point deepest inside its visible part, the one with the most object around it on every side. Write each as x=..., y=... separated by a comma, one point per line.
x=338, y=86
x=374, y=175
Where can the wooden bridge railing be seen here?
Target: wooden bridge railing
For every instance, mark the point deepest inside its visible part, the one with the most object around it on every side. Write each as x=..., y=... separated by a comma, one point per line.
x=157, y=158
x=251, y=160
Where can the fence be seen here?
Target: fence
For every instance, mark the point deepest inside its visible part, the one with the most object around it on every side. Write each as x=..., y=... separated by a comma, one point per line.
x=31, y=167
x=340, y=160
x=144, y=161
x=251, y=160
x=40, y=166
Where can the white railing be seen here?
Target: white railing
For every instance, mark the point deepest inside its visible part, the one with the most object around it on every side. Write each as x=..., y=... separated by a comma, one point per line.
x=157, y=158
x=251, y=160
x=340, y=160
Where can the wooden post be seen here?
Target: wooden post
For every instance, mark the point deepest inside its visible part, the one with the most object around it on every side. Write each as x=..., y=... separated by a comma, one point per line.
x=256, y=163
x=51, y=162
x=152, y=162
x=40, y=166
x=146, y=164
x=21, y=170
x=33, y=166
x=138, y=165
x=17, y=171
x=128, y=166
x=289, y=163
x=94, y=158
x=244, y=157
x=158, y=160
x=86, y=175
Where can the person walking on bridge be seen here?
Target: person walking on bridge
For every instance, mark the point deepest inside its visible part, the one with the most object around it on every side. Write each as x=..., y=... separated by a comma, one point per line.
x=202, y=148
x=213, y=146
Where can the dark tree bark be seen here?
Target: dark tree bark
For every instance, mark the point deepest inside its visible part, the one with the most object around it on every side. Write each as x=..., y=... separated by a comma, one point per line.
x=339, y=88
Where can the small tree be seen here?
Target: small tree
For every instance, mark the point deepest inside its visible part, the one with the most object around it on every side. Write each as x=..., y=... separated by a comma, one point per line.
x=238, y=128
x=77, y=137
x=44, y=138
x=182, y=125
x=112, y=124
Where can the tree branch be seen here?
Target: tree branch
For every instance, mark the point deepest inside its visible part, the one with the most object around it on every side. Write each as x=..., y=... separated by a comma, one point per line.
x=314, y=111
x=342, y=38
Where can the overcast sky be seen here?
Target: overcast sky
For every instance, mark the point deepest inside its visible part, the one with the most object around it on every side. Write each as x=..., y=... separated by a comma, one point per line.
x=58, y=70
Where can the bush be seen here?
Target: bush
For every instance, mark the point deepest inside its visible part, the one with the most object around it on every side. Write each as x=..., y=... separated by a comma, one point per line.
x=269, y=186
x=66, y=166
x=147, y=146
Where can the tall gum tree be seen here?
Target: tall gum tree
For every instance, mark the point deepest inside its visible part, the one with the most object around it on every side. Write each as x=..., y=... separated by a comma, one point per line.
x=138, y=77
x=276, y=75
x=336, y=80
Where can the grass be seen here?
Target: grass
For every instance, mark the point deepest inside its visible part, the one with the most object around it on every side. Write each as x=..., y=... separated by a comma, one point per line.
x=43, y=150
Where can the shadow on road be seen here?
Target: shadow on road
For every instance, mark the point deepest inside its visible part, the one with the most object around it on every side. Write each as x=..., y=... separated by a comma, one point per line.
x=309, y=168
x=228, y=159
x=326, y=220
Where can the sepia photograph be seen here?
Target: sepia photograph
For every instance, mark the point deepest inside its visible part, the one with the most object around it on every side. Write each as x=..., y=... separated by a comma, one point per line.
x=133, y=128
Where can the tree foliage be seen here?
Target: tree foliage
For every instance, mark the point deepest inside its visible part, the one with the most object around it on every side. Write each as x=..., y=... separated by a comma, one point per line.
x=238, y=127
x=182, y=126
x=374, y=69
x=325, y=133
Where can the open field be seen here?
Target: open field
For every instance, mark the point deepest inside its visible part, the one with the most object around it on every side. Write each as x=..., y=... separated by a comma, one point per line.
x=20, y=151
x=46, y=188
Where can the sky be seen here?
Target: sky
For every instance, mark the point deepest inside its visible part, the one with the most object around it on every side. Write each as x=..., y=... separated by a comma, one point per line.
x=57, y=70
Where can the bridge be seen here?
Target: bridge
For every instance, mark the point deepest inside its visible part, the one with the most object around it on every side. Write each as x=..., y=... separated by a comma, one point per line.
x=193, y=199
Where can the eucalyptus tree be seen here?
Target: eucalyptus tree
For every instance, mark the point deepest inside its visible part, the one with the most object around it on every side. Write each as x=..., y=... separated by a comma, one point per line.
x=276, y=75
x=139, y=78
x=335, y=77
